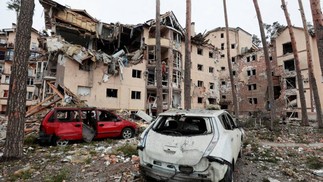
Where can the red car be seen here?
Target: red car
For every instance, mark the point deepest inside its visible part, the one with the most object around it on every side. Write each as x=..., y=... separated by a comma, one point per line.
x=61, y=125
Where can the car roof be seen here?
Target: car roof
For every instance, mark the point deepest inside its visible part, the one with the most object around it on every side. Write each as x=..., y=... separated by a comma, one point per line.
x=193, y=112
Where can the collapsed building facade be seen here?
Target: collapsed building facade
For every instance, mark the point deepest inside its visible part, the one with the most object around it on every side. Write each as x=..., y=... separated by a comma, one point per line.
x=114, y=65
x=286, y=64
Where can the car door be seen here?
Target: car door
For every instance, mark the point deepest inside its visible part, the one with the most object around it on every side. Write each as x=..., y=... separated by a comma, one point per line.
x=69, y=124
x=107, y=125
x=236, y=135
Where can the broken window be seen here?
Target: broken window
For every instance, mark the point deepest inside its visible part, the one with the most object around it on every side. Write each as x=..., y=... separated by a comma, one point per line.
x=254, y=57
x=136, y=73
x=136, y=95
x=233, y=59
x=29, y=95
x=211, y=54
x=222, y=68
x=5, y=93
x=289, y=65
x=233, y=46
x=223, y=83
x=253, y=100
x=9, y=54
x=112, y=92
x=224, y=97
x=83, y=91
x=233, y=73
x=151, y=77
x=211, y=69
x=199, y=100
x=292, y=114
x=211, y=86
x=222, y=46
x=30, y=81
x=177, y=37
x=7, y=79
x=199, y=51
x=222, y=55
x=291, y=83
x=2, y=55
x=200, y=83
x=252, y=87
x=248, y=59
x=86, y=65
x=287, y=48
x=251, y=72
x=291, y=101
x=277, y=90
x=212, y=100
x=183, y=125
x=222, y=35
x=270, y=58
x=200, y=67
x=177, y=59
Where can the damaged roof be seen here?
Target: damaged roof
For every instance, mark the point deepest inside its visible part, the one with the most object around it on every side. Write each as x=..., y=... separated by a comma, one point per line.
x=168, y=19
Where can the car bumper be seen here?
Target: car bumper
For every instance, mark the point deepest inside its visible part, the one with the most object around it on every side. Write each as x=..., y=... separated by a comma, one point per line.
x=161, y=174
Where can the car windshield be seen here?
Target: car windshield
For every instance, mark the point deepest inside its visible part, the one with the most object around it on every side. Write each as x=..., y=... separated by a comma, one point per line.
x=182, y=125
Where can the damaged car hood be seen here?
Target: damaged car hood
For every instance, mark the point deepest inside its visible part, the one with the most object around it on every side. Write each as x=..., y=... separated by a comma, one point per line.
x=182, y=150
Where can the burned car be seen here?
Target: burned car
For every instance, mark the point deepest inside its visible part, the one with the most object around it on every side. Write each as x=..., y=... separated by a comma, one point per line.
x=60, y=125
x=190, y=145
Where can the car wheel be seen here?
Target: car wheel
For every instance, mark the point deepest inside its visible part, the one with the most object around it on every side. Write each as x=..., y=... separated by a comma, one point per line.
x=62, y=142
x=228, y=176
x=127, y=133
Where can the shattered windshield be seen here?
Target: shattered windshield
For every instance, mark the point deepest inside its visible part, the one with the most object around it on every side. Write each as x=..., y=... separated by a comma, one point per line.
x=183, y=126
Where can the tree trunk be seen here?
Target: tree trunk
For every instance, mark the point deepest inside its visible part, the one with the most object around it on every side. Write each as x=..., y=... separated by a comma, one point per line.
x=187, y=74
x=298, y=70
x=158, y=61
x=13, y=147
x=318, y=26
x=233, y=88
x=268, y=66
x=312, y=78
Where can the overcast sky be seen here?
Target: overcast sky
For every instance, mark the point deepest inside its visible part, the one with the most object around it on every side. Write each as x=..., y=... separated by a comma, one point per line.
x=207, y=14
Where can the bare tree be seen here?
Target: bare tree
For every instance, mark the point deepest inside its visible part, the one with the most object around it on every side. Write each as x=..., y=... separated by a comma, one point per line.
x=158, y=61
x=298, y=70
x=318, y=26
x=233, y=88
x=310, y=68
x=13, y=147
x=268, y=66
x=187, y=74
x=15, y=6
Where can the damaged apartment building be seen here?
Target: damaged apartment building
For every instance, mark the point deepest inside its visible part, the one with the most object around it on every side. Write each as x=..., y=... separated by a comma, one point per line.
x=286, y=64
x=113, y=65
x=248, y=69
x=7, y=50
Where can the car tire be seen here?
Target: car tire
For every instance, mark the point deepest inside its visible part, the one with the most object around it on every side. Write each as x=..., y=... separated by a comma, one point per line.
x=228, y=176
x=127, y=133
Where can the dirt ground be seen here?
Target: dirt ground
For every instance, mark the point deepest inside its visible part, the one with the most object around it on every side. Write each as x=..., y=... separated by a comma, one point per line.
x=289, y=153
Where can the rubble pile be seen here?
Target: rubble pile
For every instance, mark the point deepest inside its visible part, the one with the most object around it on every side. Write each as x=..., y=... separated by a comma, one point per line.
x=289, y=153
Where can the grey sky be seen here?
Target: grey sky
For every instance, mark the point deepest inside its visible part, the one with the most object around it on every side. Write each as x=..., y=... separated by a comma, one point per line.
x=206, y=14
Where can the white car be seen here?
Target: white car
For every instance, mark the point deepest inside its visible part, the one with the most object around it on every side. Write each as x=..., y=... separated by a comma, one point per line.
x=190, y=145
